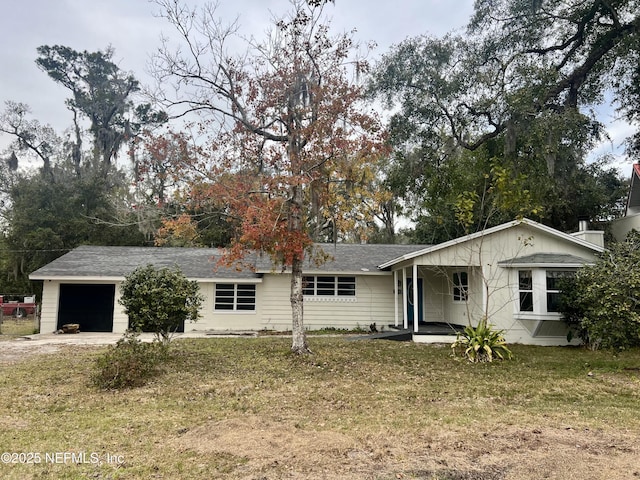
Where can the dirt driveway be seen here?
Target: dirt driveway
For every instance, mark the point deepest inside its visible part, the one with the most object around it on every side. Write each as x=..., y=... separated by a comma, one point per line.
x=19, y=348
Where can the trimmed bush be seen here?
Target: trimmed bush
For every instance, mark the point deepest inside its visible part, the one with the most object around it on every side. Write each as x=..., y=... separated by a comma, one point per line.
x=159, y=300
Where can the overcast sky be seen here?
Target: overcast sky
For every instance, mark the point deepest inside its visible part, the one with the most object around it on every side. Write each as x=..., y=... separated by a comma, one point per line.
x=133, y=30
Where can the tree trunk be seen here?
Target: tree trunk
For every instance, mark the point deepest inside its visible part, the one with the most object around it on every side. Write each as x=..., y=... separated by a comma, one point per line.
x=299, y=344
x=315, y=212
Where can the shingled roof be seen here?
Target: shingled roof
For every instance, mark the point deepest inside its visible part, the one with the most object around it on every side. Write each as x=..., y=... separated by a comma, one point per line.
x=117, y=262
x=349, y=257
x=200, y=263
x=545, y=259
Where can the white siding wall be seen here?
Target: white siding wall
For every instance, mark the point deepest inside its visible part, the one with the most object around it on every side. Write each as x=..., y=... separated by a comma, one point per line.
x=49, y=308
x=463, y=313
x=503, y=301
x=373, y=303
x=622, y=226
x=439, y=305
x=488, y=251
x=436, y=292
x=120, y=319
x=211, y=319
x=276, y=306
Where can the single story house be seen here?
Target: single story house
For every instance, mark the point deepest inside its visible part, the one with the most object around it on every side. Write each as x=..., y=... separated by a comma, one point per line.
x=349, y=290
x=631, y=220
x=509, y=272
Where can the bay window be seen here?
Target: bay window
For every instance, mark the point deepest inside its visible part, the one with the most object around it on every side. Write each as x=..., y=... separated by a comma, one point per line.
x=554, y=282
x=539, y=290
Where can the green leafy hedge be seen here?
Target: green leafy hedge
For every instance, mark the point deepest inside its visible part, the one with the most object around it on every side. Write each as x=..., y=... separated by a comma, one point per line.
x=603, y=303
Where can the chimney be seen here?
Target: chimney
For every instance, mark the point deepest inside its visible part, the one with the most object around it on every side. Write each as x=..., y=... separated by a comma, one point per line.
x=592, y=236
x=583, y=225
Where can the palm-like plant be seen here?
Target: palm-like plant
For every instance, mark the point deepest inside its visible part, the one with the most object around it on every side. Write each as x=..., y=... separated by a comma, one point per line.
x=481, y=344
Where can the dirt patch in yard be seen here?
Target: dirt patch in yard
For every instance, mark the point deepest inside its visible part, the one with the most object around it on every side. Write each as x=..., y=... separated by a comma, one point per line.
x=275, y=449
x=18, y=348
x=12, y=351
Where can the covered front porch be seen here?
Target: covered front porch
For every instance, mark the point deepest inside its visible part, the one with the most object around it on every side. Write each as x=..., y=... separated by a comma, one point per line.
x=437, y=300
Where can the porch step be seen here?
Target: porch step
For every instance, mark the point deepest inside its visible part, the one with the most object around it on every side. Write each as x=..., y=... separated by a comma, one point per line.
x=434, y=328
x=399, y=335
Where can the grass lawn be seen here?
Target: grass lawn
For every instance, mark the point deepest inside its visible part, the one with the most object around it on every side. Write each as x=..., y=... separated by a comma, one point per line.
x=22, y=326
x=245, y=408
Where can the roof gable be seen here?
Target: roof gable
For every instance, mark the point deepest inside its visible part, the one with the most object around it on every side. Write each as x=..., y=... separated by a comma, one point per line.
x=490, y=231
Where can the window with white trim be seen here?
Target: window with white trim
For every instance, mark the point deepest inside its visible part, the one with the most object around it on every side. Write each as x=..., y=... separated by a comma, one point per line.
x=460, y=286
x=235, y=297
x=328, y=286
x=554, y=282
x=539, y=290
x=525, y=290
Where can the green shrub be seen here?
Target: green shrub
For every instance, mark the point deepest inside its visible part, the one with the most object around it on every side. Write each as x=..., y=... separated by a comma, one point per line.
x=159, y=300
x=481, y=344
x=129, y=363
x=603, y=304
x=572, y=311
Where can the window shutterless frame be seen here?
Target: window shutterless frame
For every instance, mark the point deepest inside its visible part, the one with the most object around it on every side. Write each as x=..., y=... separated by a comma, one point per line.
x=460, y=289
x=328, y=286
x=235, y=297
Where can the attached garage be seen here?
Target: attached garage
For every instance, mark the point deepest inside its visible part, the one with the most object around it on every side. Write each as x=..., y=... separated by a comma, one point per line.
x=89, y=305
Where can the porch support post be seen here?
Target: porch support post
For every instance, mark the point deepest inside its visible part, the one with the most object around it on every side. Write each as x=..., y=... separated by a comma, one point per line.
x=485, y=295
x=395, y=297
x=405, y=315
x=414, y=275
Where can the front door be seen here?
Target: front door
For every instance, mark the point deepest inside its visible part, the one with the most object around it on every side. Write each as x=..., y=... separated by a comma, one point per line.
x=410, y=302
